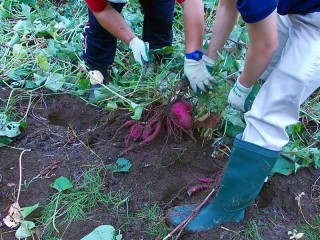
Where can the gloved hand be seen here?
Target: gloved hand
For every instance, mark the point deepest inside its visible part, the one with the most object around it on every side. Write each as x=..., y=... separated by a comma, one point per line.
x=198, y=75
x=239, y=97
x=140, y=50
x=209, y=63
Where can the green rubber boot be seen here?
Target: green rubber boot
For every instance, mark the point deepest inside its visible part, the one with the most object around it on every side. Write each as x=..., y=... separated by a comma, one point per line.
x=247, y=168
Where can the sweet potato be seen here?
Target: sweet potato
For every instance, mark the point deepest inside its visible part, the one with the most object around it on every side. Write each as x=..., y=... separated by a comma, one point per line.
x=149, y=139
x=206, y=180
x=188, y=106
x=183, y=118
x=147, y=131
x=197, y=188
x=136, y=131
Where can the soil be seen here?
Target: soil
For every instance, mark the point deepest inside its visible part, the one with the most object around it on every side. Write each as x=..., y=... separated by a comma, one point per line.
x=64, y=128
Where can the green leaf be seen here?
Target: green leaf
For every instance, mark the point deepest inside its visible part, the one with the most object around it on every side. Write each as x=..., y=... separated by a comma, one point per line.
x=30, y=85
x=25, y=211
x=297, y=127
x=137, y=113
x=25, y=230
x=12, y=129
x=42, y=62
x=26, y=10
x=233, y=116
x=83, y=84
x=111, y=106
x=4, y=141
x=283, y=166
x=4, y=14
x=19, y=51
x=39, y=80
x=54, y=82
x=61, y=184
x=103, y=232
x=121, y=165
x=316, y=162
x=51, y=48
x=235, y=34
x=20, y=27
x=30, y=2
x=233, y=131
x=15, y=39
x=23, y=124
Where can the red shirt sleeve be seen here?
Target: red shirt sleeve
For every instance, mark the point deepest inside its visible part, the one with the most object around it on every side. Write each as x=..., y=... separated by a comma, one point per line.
x=180, y=1
x=96, y=5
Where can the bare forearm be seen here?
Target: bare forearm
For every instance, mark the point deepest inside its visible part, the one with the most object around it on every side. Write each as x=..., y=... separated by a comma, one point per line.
x=263, y=43
x=226, y=17
x=114, y=23
x=193, y=15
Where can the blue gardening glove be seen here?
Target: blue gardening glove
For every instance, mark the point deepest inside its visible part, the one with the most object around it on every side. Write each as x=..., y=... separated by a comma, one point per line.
x=140, y=50
x=239, y=97
x=198, y=75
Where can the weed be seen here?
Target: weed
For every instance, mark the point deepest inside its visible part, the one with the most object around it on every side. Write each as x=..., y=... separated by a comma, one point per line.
x=153, y=216
x=249, y=231
x=295, y=235
x=67, y=206
x=311, y=232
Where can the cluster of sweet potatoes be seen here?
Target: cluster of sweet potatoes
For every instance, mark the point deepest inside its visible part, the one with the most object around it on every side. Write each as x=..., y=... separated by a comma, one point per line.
x=176, y=117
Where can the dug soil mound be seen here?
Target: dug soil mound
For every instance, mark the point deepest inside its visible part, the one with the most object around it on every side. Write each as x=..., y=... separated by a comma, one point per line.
x=63, y=129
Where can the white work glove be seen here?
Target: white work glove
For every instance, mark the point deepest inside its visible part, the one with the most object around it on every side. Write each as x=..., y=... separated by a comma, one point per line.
x=239, y=97
x=209, y=63
x=198, y=75
x=140, y=50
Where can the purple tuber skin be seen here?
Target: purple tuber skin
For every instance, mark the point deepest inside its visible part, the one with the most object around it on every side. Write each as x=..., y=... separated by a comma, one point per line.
x=188, y=106
x=183, y=118
x=136, y=132
x=147, y=131
x=197, y=188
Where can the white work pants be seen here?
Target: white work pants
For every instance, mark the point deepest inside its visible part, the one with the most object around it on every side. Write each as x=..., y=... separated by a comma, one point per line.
x=291, y=77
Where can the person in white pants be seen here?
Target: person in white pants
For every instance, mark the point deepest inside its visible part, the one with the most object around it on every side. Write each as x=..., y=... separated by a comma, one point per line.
x=285, y=50
x=291, y=77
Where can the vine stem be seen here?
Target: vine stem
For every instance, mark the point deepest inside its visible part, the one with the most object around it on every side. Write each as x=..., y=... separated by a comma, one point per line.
x=194, y=213
x=20, y=171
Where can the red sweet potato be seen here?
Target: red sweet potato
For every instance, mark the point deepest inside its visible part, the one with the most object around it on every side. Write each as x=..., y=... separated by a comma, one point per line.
x=149, y=139
x=183, y=118
x=129, y=123
x=147, y=131
x=136, y=131
x=188, y=106
x=197, y=188
x=206, y=180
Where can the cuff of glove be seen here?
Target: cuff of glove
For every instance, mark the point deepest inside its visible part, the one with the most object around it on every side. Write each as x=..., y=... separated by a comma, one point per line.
x=133, y=41
x=196, y=55
x=242, y=88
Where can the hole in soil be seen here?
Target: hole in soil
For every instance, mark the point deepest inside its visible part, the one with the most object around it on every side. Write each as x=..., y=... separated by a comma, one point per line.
x=265, y=197
x=56, y=119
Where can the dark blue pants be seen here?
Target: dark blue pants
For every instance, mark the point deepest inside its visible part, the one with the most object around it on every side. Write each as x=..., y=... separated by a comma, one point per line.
x=100, y=45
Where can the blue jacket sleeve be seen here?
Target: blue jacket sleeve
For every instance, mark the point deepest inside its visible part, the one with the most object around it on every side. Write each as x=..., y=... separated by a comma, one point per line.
x=255, y=10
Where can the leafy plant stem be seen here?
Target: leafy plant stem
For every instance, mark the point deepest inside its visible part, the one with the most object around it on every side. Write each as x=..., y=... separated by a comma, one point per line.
x=118, y=95
x=182, y=225
x=55, y=213
x=20, y=172
x=29, y=105
x=8, y=103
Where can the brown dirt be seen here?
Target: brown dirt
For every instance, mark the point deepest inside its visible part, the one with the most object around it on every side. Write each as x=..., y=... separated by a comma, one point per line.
x=159, y=174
